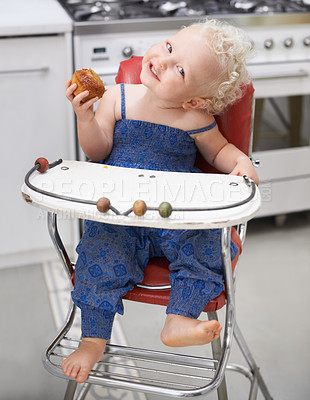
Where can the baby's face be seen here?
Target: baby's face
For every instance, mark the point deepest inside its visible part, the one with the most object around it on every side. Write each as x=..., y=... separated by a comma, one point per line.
x=180, y=68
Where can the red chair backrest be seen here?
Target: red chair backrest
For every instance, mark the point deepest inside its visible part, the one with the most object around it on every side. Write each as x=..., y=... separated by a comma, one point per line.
x=235, y=122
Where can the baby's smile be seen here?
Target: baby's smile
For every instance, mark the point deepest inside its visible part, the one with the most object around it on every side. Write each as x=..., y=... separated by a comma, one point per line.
x=153, y=70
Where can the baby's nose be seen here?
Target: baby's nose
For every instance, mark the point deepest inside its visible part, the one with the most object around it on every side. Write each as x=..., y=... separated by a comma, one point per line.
x=163, y=62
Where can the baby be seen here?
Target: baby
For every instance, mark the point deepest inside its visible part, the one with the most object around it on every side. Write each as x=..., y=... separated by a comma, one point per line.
x=159, y=124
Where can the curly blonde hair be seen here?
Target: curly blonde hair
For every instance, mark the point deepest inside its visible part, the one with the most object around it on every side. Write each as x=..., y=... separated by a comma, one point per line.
x=231, y=47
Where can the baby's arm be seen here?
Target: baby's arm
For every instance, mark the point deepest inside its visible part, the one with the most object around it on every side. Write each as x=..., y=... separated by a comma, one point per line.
x=224, y=156
x=95, y=132
x=233, y=161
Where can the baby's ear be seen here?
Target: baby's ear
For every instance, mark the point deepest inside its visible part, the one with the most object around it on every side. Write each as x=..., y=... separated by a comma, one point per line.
x=195, y=103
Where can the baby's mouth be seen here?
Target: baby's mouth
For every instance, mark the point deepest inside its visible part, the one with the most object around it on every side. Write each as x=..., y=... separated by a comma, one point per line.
x=153, y=70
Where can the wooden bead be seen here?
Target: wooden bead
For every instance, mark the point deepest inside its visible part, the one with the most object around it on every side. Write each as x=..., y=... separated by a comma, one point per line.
x=43, y=164
x=103, y=204
x=165, y=209
x=139, y=208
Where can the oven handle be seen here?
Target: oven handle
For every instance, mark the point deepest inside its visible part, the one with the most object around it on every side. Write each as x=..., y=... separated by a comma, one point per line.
x=281, y=75
x=24, y=71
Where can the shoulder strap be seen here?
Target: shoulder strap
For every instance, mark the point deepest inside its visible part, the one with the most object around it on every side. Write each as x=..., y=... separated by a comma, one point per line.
x=205, y=128
x=123, y=105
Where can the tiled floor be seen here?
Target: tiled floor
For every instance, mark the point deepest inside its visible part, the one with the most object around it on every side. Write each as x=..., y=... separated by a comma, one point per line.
x=272, y=311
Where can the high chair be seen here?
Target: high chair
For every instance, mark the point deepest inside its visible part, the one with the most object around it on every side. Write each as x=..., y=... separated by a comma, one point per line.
x=156, y=372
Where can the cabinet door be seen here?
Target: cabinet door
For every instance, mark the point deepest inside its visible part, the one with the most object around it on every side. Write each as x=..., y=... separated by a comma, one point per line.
x=35, y=121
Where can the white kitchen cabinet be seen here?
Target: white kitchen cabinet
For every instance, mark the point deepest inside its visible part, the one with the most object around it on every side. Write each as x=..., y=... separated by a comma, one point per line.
x=35, y=120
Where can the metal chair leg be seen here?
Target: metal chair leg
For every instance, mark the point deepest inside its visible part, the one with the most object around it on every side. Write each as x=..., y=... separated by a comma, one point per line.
x=216, y=347
x=58, y=244
x=250, y=360
x=86, y=386
x=71, y=387
x=83, y=392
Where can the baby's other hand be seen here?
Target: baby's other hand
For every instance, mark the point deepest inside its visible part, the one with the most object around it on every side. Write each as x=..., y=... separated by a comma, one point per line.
x=244, y=166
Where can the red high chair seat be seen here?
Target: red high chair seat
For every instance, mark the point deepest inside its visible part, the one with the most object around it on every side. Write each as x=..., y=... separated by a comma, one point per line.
x=235, y=125
x=157, y=272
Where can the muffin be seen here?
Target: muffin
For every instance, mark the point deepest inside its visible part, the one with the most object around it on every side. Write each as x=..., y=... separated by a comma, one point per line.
x=87, y=79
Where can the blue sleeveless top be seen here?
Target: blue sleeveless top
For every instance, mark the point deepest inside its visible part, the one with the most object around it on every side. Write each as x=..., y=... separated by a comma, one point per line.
x=146, y=145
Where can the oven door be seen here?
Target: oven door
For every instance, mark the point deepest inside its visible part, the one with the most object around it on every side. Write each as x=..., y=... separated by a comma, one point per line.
x=281, y=140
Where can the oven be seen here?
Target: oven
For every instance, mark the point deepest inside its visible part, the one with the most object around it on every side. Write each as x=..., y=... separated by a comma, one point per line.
x=107, y=32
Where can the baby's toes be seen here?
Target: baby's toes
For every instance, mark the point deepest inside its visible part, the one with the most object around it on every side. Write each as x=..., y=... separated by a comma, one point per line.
x=82, y=375
x=74, y=371
x=214, y=325
x=70, y=369
x=216, y=336
x=66, y=367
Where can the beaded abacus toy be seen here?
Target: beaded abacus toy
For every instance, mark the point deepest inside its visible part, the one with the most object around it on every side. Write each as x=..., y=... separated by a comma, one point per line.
x=156, y=198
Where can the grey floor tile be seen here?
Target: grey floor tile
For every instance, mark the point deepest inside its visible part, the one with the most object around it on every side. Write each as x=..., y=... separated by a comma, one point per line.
x=26, y=327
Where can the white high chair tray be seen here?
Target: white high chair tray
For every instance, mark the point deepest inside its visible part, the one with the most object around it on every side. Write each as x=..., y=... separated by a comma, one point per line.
x=197, y=199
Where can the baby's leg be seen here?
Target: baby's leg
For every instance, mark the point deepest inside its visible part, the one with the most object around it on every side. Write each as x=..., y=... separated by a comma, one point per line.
x=82, y=360
x=180, y=331
x=111, y=260
x=196, y=279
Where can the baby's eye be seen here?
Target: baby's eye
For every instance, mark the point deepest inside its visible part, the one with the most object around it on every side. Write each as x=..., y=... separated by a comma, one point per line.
x=181, y=70
x=169, y=47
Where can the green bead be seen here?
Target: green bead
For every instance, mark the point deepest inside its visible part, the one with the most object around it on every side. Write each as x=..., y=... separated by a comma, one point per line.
x=165, y=209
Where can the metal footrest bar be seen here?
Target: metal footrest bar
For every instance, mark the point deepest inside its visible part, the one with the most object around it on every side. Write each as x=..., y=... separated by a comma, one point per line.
x=118, y=368
x=149, y=371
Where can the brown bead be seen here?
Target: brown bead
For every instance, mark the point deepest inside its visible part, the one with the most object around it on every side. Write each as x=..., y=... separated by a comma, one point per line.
x=103, y=204
x=43, y=164
x=139, y=208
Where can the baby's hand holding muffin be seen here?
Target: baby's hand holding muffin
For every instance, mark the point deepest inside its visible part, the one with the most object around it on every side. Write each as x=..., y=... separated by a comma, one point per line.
x=83, y=90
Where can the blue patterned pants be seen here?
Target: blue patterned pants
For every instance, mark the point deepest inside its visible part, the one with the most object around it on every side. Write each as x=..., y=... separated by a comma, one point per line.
x=112, y=259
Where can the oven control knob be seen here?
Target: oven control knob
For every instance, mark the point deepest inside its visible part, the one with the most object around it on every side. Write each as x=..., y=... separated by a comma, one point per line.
x=127, y=51
x=306, y=41
x=268, y=44
x=289, y=42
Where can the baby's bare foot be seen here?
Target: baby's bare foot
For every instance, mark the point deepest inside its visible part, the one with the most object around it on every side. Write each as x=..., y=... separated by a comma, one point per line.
x=82, y=360
x=182, y=331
